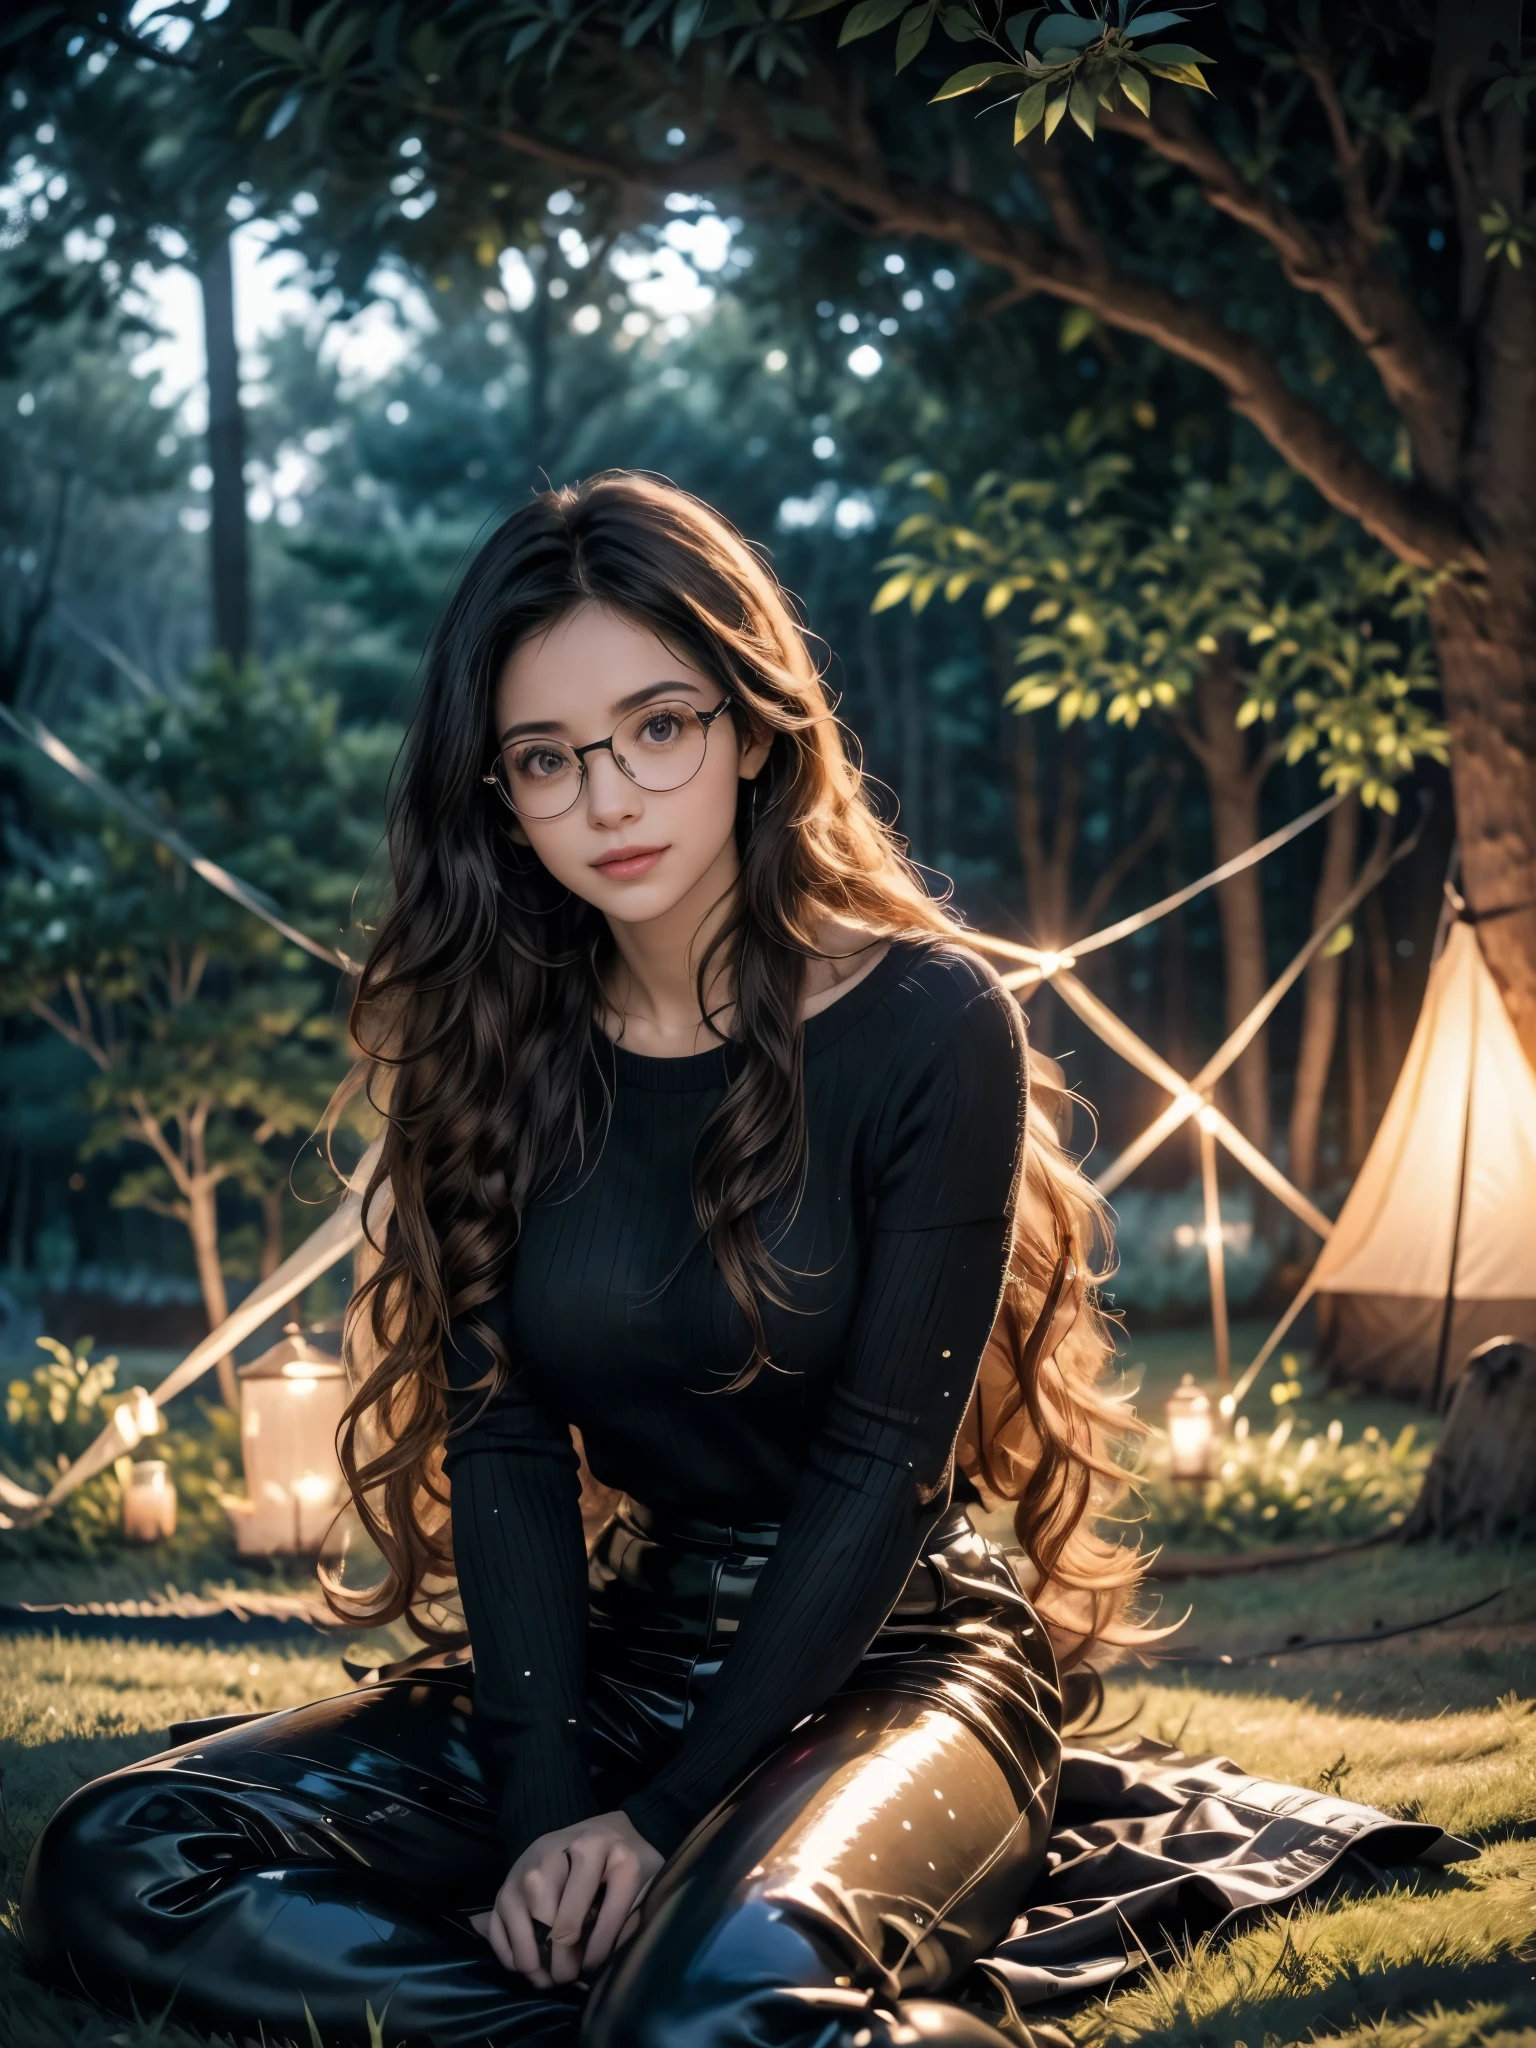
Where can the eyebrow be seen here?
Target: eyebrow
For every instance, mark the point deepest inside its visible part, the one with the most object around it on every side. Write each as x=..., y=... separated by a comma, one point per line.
x=630, y=703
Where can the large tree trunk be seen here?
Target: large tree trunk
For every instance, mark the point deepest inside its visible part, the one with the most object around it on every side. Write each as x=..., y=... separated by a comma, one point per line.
x=1486, y=638
x=1233, y=782
x=228, y=539
x=1488, y=673
x=203, y=1227
x=1320, y=1002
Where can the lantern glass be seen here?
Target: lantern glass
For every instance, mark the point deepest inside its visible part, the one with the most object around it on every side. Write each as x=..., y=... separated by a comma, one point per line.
x=149, y=1501
x=1190, y=1431
x=291, y=1401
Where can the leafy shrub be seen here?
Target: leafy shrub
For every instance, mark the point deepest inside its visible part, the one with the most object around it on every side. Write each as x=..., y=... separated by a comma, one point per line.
x=1283, y=1485
x=59, y=1410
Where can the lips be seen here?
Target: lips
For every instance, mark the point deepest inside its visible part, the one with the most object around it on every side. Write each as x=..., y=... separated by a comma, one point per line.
x=629, y=861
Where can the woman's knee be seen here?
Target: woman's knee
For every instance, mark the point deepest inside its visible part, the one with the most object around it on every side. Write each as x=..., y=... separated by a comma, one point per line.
x=84, y=1873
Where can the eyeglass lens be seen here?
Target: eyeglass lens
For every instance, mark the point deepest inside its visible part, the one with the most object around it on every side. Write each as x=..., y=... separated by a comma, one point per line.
x=658, y=747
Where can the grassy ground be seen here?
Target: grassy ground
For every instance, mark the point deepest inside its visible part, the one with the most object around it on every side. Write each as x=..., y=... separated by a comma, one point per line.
x=1438, y=1724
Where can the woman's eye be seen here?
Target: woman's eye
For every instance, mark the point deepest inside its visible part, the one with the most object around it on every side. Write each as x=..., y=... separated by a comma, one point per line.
x=539, y=761
x=662, y=727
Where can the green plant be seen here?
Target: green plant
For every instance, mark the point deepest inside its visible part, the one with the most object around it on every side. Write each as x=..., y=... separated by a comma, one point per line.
x=59, y=1409
x=1285, y=1485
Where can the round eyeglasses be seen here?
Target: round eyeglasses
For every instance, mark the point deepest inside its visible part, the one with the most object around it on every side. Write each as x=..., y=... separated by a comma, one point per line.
x=659, y=747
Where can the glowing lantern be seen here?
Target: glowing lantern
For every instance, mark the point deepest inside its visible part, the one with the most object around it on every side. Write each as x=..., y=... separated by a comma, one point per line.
x=1190, y=1432
x=149, y=1501
x=291, y=1400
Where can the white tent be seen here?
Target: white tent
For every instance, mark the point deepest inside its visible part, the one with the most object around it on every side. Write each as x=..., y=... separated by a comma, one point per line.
x=1435, y=1249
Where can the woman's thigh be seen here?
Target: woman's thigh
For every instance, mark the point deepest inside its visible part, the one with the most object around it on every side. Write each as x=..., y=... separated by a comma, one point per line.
x=327, y=1856
x=882, y=1848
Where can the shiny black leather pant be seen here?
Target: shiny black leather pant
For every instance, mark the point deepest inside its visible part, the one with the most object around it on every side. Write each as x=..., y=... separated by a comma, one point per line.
x=330, y=1855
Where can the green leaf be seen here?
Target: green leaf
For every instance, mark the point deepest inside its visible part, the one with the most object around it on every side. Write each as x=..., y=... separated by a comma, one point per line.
x=1053, y=114
x=344, y=45
x=916, y=28
x=868, y=17
x=531, y=31
x=1068, y=31
x=283, y=113
x=1077, y=323
x=1150, y=24
x=1172, y=53
x=1180, y=74
x=958, y=23
x=998, y=599
x=314, y=2032
x=1017, y=26
x=1136, y=89
x=684, y=21
x=971, y=79
x=1030, y=112
x=280, y=42
x=1082, y=105
x=892, y=593
x=1338, y=942
x=634, y=30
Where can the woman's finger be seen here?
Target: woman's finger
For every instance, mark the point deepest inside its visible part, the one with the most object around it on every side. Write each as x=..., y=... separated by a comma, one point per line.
x=621, y=1885
x=522, y=1939
x=489, y=1926
x=542, y=1883
x=567, y=1929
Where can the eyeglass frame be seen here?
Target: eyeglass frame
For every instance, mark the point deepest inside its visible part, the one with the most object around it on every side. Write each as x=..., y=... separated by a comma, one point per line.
x=705, y=718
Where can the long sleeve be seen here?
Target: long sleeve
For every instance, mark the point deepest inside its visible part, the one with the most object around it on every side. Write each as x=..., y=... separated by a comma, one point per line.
x=947, y=1163
x=522, y=1569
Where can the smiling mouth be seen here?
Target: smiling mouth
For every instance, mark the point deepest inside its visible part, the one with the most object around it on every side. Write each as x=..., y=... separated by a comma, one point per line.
x=634, y=860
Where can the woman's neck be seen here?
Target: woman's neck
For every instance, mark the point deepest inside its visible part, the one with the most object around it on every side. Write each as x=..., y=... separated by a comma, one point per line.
x=652, y=984
x=652, y=990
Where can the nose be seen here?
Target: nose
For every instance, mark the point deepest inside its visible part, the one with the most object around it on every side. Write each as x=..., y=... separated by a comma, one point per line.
x=612, y=799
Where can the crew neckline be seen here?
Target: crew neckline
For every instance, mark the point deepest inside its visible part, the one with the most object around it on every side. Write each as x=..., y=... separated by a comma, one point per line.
x=820, y=1029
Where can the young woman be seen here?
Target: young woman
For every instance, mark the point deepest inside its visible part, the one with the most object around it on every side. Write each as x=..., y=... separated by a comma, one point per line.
x=708, y=1137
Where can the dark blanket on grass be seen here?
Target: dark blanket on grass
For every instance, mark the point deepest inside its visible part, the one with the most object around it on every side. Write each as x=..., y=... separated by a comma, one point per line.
x=1152, y=1849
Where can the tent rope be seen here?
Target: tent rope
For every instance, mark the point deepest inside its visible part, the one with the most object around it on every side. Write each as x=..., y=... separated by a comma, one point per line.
x=134, y=813
x=343, y=1231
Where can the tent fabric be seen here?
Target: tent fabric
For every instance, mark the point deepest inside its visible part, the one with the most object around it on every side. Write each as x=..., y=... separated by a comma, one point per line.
x=1390, y=1343
x=1459, y=1135
x=1151, y=1850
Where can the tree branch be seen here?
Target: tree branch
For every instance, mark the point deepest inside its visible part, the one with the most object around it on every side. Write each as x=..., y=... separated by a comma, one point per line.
x=1420, y=373
x=1417, y=530
x=148, y=1132
x=81, y=1040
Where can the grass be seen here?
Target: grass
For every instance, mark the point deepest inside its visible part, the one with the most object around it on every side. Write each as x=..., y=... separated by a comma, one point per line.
x=1439, y=1725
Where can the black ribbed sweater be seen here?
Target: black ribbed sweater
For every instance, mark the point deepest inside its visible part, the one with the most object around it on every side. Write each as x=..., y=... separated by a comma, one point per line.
x=616, y=1319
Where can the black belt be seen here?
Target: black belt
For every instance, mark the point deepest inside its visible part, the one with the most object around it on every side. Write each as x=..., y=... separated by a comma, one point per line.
x=954, y=1537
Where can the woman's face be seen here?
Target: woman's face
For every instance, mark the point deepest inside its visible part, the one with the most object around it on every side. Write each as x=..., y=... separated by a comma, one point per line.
x=633, y=853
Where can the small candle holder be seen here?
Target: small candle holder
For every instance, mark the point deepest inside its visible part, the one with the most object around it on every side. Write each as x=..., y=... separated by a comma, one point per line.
x=149, y=1501
x=1190, y=1431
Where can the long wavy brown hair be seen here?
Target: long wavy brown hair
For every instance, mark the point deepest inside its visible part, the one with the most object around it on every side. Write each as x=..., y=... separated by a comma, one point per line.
x=473, y=1017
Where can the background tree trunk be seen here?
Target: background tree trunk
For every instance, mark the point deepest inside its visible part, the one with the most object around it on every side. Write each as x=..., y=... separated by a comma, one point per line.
x=229, y=547
x=271, y=1230
x=1233, y=782
x=1046, y=851
x=203, y=1227
x=1357, y=1116
x=1320, y=1001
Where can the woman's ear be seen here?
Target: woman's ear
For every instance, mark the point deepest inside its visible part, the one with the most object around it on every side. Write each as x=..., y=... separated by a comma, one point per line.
x=754, y=757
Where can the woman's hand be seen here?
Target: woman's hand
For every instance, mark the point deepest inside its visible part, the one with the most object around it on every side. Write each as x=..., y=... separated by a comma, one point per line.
x=556, y=1881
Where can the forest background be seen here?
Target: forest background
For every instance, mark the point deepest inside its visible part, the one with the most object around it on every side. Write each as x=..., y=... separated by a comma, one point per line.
x=1140, y=476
